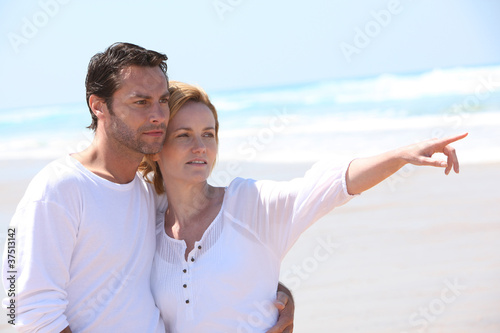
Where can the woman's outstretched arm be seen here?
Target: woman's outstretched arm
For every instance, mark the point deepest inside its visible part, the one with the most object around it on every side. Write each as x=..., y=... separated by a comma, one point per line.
x=364, y=173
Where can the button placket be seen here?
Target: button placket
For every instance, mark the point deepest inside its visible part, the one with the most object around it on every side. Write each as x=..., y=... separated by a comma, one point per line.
x=185, y=281
x=186, y=286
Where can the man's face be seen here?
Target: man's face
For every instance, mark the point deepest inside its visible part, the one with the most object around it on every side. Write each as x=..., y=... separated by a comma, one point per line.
x=139, y=112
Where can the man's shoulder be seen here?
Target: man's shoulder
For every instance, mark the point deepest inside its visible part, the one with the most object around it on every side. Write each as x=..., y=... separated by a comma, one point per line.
x=58, y=171
x=54, y=177
x=56, y=183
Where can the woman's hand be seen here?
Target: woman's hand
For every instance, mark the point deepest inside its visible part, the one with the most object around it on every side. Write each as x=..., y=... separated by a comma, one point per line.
x=364, y=173
x=421, y=153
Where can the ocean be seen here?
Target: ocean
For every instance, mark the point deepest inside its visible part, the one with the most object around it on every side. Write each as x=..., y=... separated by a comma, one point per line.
x=309, y=121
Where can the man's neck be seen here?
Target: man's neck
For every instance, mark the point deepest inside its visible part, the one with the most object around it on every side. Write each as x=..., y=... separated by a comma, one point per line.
x=115, y=165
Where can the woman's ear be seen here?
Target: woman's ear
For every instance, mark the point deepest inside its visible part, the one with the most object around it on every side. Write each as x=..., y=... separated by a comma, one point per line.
x=154, y=157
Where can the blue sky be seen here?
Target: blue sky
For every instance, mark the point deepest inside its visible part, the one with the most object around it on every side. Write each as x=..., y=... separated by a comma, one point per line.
x=239, y=44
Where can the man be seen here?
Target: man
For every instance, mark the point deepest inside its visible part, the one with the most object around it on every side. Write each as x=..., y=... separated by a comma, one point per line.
x=85, y=227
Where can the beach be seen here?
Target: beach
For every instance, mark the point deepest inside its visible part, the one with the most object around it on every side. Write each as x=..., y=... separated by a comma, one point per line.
x=420, y=256
x=417, y=253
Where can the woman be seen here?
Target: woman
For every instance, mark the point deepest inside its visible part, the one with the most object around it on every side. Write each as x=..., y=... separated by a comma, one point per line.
x=221, y=248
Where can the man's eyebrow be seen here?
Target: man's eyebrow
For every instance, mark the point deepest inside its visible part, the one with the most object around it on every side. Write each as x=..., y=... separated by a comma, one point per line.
x=139, y=95
x=143, y=96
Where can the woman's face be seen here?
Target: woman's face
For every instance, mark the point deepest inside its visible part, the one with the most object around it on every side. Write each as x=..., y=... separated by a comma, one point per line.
x=190, y=147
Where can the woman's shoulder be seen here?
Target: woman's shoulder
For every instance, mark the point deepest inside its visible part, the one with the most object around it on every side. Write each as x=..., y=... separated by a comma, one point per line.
x=241, y=185
x=248, y=191
x=240, y=192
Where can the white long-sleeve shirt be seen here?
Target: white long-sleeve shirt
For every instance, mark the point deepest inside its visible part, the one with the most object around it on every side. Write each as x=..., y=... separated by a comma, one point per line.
x=85, y=247
x=229, y=280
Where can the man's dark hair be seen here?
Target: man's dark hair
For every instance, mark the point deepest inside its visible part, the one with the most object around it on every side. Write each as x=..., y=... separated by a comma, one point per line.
x=103, y=74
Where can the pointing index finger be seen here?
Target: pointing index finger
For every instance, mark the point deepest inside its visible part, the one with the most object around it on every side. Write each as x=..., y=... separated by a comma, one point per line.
x=451, y=139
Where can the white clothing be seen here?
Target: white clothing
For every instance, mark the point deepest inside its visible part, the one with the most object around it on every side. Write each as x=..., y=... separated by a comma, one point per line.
x=229, y=281
x=85, y=247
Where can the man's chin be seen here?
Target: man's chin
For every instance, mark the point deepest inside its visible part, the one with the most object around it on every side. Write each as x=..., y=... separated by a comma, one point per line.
x=151, y=149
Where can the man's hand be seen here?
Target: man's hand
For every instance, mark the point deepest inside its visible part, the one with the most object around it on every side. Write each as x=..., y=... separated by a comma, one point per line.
x=286, y=307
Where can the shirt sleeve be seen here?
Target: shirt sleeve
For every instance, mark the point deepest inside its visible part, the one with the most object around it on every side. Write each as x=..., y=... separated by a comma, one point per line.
x=278, y=212
x=45, y=235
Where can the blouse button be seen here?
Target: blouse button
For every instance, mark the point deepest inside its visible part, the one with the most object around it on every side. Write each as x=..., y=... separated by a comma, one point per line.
x=199, y=247
x=192, y=259
x=184, y=270
x=187, y=301
x=185, y=285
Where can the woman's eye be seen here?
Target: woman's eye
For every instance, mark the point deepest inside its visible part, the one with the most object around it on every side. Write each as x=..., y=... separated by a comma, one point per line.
x=142, y=102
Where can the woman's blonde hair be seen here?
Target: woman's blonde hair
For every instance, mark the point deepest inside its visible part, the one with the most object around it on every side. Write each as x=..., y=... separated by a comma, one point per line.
x=180, y=94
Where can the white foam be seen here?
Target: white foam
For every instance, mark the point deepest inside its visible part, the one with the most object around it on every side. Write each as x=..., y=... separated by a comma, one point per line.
x=438, y=82
x=321, y=136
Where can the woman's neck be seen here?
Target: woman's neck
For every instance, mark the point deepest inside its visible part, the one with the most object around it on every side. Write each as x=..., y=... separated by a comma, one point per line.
x=191, y=210
x=186, y=202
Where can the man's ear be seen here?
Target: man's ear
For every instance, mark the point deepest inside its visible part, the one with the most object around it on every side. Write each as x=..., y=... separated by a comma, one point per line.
x=97, y=105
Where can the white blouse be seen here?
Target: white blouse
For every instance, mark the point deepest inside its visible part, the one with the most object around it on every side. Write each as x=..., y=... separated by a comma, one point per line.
x=229, y=281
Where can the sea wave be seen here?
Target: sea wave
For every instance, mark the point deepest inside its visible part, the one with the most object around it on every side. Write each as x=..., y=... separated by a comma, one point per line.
x=482, y=81
x=306, y=121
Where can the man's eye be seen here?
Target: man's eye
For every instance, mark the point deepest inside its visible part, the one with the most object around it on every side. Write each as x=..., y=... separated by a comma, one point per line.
x=164, y=100
x=141, y=102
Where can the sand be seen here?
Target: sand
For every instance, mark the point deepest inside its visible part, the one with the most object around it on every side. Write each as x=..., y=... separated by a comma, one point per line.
x=418, y=253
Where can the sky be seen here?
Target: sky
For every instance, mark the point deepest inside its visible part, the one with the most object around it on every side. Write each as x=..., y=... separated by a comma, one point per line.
x=226, y=45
